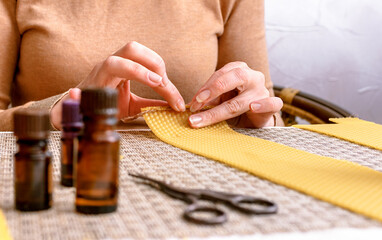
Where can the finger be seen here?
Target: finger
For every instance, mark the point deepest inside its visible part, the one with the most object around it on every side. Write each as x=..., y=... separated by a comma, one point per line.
x=266, y=105
x=124, y=96
x=229, y=109
x=152, y=61
x=236, y=78
x=130, y=104
x=228, y=67
x=75, y=94
x=144, y=56
x=116, y=68
x=171, y=94
x=222, y=98
x=262, y=111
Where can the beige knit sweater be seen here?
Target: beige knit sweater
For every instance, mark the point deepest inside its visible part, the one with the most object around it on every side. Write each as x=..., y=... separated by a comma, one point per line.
x=47, y=47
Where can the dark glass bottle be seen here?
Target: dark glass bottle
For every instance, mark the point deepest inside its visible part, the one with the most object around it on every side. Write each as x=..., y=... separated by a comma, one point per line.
x=71, y=129
x=33, y=163
x=98, y=161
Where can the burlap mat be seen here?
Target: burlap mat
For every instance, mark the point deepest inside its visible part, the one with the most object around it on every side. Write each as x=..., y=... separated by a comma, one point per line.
x=144, y=212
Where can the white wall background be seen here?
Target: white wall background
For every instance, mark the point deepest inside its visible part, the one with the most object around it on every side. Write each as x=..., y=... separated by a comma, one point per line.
x=329, y=48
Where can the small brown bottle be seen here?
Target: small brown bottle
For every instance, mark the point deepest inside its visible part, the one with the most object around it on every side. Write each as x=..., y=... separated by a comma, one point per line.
x=33, y=163
x=71, y=129
x=98, y=160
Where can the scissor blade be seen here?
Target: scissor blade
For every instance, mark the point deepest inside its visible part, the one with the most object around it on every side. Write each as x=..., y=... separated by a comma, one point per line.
x=137, y=175
x=244, y=203
x=173, y=191
x=215, y=195
x=151, y=181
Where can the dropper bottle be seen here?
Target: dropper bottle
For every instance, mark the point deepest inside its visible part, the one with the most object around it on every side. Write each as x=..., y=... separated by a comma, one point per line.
x=98, y=161
x=33, y=161
x=71, y=129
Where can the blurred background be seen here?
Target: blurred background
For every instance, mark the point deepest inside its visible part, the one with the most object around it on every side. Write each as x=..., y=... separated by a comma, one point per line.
x=329, y=48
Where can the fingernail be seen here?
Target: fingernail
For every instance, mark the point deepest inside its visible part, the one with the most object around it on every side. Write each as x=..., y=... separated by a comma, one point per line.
x=203, y=96
x=195, y=120
x=195, y=107
x=180, y=105
x=155, y=77
x=255, y=106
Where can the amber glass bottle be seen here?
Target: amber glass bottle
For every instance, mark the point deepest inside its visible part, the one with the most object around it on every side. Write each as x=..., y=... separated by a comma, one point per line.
x=71, y=129
x=33, y=167
x=98, y=160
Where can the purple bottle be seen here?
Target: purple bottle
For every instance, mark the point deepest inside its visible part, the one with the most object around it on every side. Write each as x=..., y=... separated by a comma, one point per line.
x=72, y=126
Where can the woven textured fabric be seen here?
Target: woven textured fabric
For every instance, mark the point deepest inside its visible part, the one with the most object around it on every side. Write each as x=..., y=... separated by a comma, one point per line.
x=350, y=129
x=339, y=182
x=146, y=213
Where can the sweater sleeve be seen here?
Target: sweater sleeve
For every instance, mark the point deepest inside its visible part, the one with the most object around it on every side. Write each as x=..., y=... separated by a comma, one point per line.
x=243, y=38
x=9, y=48
x=9, y=52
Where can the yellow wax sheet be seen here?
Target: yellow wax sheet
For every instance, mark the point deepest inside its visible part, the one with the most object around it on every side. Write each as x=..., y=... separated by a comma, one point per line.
x=4, y=232
x=343, y=183
x=350, y=129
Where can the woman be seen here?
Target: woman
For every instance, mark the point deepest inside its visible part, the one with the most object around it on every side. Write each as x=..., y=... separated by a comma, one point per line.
x=197, y=52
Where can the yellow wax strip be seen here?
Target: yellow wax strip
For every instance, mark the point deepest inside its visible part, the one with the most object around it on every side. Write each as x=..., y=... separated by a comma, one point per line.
x=350, y=129
x=4, y=233
x=343, y=183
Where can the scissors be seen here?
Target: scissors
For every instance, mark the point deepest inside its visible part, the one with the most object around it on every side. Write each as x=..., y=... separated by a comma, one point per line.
x=243, y=203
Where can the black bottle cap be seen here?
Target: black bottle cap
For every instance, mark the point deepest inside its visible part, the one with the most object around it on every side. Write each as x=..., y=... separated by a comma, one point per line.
x=71, y=116
x=99, y=101
x=31, y=124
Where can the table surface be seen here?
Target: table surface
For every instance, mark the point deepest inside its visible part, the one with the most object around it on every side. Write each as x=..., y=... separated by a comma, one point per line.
x=144, y=212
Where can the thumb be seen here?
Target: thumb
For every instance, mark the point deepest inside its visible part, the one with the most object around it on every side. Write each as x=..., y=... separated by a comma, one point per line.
x=75, y=94
x=267, y=105
x=136, y=103
x=262, y=111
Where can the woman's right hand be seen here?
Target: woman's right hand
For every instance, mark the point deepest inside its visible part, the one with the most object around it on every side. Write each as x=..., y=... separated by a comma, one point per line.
x=132, y=62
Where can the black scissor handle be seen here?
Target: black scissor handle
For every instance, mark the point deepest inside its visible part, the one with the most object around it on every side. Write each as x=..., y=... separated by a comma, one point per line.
x=253, y=205
x=217, y=216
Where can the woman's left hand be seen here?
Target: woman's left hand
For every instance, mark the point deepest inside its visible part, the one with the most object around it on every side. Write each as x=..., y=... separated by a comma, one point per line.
x=235, y=89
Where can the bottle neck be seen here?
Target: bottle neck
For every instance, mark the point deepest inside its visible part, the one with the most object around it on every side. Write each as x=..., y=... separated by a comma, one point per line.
x=28, y=145
x=95, y=123
x=71, y=131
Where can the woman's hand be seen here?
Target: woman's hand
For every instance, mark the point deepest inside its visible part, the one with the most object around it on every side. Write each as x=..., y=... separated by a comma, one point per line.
x=132, y=62
x=235, y=89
